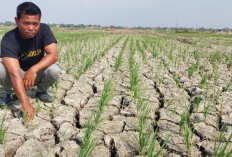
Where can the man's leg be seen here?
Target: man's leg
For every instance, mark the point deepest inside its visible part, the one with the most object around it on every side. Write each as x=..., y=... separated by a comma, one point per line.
x=45, y=78
x=5, y=81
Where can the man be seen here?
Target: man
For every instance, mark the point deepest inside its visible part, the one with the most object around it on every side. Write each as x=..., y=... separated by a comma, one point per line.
x=23, y=62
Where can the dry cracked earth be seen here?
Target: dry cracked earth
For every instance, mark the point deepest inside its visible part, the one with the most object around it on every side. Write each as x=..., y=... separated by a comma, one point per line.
x=57, y=130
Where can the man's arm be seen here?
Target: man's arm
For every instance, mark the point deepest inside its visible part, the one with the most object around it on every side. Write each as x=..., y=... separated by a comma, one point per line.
x=46, y=61
x=13, y=68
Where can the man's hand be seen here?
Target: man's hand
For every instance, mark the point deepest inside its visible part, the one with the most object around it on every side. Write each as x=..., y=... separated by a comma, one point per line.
x=30, y=111
x=29, y=78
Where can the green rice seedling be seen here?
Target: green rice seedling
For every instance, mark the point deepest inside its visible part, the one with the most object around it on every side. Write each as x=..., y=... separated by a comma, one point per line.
x=152, y=151
x=230, y=63
x=144, y=56
x=220, y=147
x=169, y=104
x=56, y=84
x=3, y=130
x=87, y=64
x=106, y=96
x=160, y=63
x=196, y=55
x=207, y=91
x=131, y=44
x=131, y=61
x=161, y=79
x=26, y=119
x=155, y=53
x=206, y=110
x=134, y=80
x=166, y=65
x=144, y=44
x=188, y=138
x=191, y=70
x=144, y=134
x=184, y=121
x=226, y=59
x=174, y=111
x=216, y=78
x=69, y=66
x=196, y=103
x=95, y=57
x=170, y=56
x=118, y=60
x=204, y=80
x=89, y=142
x=227, y=86
x=216, y=95
x=38, y=107
x=176, y=78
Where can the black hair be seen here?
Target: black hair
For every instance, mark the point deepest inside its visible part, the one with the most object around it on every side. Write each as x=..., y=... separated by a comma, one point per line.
x=28, y=8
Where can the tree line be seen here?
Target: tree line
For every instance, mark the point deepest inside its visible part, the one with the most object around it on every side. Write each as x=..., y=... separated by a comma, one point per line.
x=181, y=29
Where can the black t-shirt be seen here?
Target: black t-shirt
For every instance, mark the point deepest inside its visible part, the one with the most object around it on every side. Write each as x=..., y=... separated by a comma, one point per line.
x=27, y=51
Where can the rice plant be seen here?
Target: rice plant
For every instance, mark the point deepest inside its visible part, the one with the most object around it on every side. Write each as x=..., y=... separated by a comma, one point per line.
x=143, y=111
x=196, y=103
x=3, y=130
x=152, y=150
x=89, y=142
x=155, y=53
x=38, y=107
x=204, y=80
x=106, y=96
x=134, y=80
x=26, y=119
x=206, y=110
x=176, y=78
x=227, y=86
x=184, y=121
x=188, y=138
x=222, y=149
x=118, y=60
x=56, y=84
x=216, y=78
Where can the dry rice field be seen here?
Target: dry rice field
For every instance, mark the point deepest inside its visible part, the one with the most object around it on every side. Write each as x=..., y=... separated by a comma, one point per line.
x=127, y=94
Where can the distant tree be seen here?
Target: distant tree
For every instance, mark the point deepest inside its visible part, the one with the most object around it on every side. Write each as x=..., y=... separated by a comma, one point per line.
x=69, y=25
x=9, y=23
x=52, y=25
x=201, y=29
x=62, y=25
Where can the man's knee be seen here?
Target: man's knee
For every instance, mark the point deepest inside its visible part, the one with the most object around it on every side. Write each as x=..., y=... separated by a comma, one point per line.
x=53, y=71
x=2, y=71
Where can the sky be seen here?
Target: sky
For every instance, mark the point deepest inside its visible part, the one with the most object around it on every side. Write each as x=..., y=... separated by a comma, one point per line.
x=132, y=13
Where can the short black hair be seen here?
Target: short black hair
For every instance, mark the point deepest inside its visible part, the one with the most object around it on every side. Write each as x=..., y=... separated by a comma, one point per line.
x=28, y=8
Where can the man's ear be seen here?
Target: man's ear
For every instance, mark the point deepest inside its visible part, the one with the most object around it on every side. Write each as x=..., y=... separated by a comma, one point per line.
x=16, y=21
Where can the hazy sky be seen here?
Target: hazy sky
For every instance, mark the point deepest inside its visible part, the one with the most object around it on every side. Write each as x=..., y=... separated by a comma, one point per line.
x=150, y=13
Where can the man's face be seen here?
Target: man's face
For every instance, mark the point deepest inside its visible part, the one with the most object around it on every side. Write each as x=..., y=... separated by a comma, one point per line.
x=28, y=25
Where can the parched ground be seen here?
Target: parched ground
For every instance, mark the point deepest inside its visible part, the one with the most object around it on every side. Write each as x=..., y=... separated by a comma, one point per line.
x=58, y=127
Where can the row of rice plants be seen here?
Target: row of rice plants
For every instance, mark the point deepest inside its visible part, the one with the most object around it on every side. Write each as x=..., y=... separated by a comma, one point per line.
x=118, y=60
x=90, y=139
x=187, y=125
x=148, y=145
x=78, y=54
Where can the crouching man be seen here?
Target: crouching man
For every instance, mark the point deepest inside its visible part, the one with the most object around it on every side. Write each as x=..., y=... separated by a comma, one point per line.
x=24, y=64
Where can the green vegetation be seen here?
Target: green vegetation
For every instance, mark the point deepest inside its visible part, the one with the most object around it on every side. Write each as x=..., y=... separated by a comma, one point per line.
x=3, y=130
x=90, y=139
